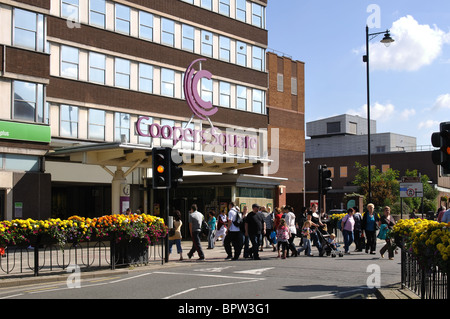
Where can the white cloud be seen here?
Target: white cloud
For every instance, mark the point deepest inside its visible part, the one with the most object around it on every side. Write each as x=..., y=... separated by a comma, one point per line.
x=428, y=124
x=416, y=45
x=407, y=113
x=442, y=102
x=378, y=111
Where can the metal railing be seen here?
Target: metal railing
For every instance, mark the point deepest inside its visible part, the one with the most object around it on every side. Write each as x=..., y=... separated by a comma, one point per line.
x=47, y=258
x=427, y=282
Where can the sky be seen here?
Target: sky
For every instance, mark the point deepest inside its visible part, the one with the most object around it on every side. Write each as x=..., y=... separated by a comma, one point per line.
x=409, y=80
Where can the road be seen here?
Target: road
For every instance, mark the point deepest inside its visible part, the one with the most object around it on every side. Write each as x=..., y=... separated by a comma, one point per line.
x=352, y=276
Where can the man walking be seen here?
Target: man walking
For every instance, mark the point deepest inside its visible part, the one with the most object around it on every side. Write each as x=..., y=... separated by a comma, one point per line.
x=195, y=228
x=234, y=235
x=254, y=228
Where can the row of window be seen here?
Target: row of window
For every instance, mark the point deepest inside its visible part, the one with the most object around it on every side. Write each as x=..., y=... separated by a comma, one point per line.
x=169, y=32
x=169, y=81
x=257, y=17
x=343, y=170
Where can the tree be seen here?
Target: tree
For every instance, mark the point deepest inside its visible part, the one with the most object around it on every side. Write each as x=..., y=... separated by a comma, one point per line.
x=429, y=194
x=385, y=185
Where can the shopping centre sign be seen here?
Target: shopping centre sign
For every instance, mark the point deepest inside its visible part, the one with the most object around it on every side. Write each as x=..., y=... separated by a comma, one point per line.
x=203, y=110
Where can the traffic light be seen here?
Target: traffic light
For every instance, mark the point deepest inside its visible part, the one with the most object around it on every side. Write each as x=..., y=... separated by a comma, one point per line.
x=176, y=174
x=326, y=180
x=441, y=140
x=161, y=166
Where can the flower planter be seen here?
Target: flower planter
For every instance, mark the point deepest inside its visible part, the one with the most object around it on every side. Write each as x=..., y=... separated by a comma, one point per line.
x=132, y=252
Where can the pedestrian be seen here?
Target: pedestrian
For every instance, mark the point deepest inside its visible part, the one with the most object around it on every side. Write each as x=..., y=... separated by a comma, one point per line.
x=268, y=219
x=389, y=221
x=440, y=213
x=306, y=234
x=245, y=241
x=283, y=235
x=234, y=233
x=255, y=228
x=212, y=229
x=370, y=224
x=316, y=223
x=176, y=236
x=358, y=234
x=348, y=223
x=278, y=215
x=446, y=216
x=221, y=226
x=195, y=228
x=290, y=222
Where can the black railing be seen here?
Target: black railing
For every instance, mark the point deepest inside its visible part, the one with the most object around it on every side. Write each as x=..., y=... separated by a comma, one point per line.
x=428, y=282
x=38, y=258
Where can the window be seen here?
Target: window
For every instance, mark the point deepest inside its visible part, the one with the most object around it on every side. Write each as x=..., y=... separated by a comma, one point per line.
x=241, y=96
x=224, y=46
x=241, y=10
x=343, y=172
x=224, y=7
x=97, y=13
x=145, y=25
x=15, y=162
x=167, y=82
x=122, y=126
x=97, y=67
x=69, y=62
x=258, y=101
x=28, y=30
x=70, y=9
x=167, y=32
x=188, y=38
x=352, y=127
x=258, y=59
x=96, y=125
x=122, y=18
x=188, y=1
x=207, y=4
x=28, y=101
x=68, y=121
x=164, y=141
x=122, y=73
x=225, y=94
x=187, y=145
x=145, y=140
x=280, y=84
x=207, y=43
x=258, y=15
x=241, y=53
x=145, y=78
x=381, y=149
x=206, y=90
x=333, y=127
x=294, y=86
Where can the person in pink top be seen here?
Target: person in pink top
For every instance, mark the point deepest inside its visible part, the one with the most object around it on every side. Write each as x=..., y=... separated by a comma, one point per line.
x=348, y=223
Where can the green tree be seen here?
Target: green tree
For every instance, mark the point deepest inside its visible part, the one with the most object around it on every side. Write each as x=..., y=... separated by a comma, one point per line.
x=385, y=185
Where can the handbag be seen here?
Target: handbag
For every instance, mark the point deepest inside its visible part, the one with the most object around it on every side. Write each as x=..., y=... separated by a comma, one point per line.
x=205, y=228
x=171, y=232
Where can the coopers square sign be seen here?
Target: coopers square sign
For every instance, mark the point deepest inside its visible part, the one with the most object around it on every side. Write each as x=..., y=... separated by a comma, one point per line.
x=203, y=110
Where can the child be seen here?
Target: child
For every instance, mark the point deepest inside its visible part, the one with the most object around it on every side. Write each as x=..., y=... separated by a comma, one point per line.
x=306, y=233
x=283, y=235
x=332, y=241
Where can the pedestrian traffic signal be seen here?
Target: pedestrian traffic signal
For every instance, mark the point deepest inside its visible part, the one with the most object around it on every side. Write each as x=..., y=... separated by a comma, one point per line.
x=176, y=174
x=326, y=180
x=161, y=166
x=441, y=140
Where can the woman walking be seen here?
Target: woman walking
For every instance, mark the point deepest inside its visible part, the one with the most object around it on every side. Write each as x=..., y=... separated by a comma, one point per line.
x=176, y=237
x=347, y=229
x=369, y=225
x=389, y=221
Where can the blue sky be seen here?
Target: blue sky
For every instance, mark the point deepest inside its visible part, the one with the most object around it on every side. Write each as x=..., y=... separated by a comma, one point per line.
x=410, y=80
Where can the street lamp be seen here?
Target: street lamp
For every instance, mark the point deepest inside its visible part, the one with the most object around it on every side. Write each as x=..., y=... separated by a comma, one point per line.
x=387, y=40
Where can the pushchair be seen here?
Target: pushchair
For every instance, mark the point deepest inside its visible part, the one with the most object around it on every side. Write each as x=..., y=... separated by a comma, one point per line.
x=327, y=247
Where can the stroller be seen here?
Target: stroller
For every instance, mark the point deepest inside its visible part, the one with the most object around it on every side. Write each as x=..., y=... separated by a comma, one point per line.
x=327, y=247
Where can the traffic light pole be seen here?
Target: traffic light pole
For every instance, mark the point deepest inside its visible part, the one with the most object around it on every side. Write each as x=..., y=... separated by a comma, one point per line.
x=166, y=219
x=320, y=189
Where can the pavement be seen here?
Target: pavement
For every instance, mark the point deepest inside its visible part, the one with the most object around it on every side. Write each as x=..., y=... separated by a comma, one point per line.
x=393, y=291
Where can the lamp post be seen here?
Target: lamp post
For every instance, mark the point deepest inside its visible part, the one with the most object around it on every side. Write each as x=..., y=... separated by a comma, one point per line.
x=387, y=40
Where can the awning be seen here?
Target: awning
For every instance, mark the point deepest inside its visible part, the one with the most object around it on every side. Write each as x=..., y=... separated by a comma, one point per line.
x=133, y=156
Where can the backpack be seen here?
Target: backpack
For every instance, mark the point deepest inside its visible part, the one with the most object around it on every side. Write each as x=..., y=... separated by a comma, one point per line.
x=238, y=220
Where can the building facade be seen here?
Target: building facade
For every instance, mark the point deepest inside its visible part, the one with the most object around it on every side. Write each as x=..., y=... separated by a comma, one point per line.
x=99, y=83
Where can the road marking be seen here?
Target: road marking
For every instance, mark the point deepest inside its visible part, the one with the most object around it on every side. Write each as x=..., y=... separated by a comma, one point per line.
x=254, y=271
x=129, y=278
x=217, y=269
x=338, y=293
x=180, y=293
x=12, y=296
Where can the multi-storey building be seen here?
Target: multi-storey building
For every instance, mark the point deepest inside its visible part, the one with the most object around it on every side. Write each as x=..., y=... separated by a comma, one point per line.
x=88, y=87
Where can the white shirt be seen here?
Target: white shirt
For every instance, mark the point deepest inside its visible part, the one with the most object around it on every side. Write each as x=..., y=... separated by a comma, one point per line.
x=232, y=217
x=290, y=222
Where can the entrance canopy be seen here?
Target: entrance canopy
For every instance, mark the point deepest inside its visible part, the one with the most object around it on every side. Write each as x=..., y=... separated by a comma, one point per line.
x=134, y=156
